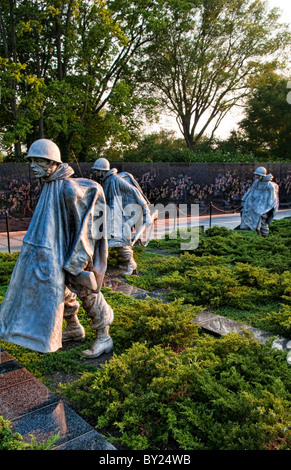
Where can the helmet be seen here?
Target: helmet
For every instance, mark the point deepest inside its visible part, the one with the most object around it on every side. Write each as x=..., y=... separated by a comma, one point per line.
x=44, y=148
x=101, y=164
x=260, y=171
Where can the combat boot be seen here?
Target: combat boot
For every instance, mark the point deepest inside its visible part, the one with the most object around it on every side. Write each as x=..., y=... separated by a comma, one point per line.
x=131, y=268
x=74, y=331
x=102, y=344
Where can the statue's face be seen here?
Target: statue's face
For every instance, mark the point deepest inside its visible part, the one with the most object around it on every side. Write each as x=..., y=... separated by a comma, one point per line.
x=99, y=174
x=41, y=167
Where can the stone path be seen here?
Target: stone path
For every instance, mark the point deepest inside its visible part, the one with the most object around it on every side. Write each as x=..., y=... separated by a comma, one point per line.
x=220, y=326
x=209, y=322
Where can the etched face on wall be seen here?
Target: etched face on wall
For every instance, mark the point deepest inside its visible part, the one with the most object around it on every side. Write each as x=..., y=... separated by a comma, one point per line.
x=41, y=167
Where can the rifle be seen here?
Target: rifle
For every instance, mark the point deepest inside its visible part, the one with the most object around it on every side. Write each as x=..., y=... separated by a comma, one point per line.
x=143, y=227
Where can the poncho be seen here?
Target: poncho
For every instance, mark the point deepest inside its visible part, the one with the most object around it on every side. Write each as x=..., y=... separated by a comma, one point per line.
x=123, y=197
x=63, y=236
x=262, y=198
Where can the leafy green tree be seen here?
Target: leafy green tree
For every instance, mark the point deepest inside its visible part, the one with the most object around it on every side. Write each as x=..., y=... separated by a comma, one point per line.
x=157, y=147
x=201, y=64
x=21, y=90
x=66, y=71
x=267, y=123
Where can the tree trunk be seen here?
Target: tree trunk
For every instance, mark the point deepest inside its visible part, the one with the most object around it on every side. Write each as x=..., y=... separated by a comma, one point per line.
x=41, y=127
x=59, y=49
x=14, y=108
x=17, y=144
x=185, y=128
x=4, y=36
x=17, y=151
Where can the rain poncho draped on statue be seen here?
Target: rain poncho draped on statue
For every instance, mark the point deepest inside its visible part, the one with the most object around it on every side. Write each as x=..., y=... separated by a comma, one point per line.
x=260, y=199
x=62, y=237
x=127, y=205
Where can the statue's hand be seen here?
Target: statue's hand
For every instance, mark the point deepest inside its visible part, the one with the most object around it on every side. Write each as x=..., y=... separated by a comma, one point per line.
x=99, y=272
x=83, y=279
x=147, y=218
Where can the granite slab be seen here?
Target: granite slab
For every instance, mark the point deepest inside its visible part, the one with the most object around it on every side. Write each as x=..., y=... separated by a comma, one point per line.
x=117, y=285
x=89, y=441
x=34, y=410
x=216, y=324
x=219, y=325
x=5, y=356
x=58, y=418
x=23, y=397
x=11, y=373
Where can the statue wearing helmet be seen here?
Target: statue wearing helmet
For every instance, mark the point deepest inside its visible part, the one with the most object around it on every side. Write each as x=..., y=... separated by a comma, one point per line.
x=102, y=164
x=260, y=172
x=124, y=197
x=64, y=253
x=260, y=203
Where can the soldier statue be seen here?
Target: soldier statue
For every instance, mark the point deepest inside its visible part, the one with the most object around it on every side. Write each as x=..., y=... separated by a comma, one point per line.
x=260, y=203
x=123, y=196
x=64, y=254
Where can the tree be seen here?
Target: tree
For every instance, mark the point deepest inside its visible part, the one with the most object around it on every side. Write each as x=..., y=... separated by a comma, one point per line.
x=20, y=90
x=267, y=123
x=66, y=71
x=201, y=64
x=158, y=147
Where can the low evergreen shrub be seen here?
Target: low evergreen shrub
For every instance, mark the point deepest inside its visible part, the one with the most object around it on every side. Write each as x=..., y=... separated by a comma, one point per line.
x=241, y=286
x=226, y=394
x=168, y=386
x=239, y=246
x=8, y=439
x=7, y=263
x=151, y=322
x=279, y=321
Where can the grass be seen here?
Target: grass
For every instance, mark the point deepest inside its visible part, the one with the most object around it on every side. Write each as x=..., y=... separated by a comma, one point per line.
x=168, y=386
x=235, y=274
x=231, y=273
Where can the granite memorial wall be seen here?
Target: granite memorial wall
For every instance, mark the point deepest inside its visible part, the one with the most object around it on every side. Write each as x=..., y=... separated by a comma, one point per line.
x=180, y=183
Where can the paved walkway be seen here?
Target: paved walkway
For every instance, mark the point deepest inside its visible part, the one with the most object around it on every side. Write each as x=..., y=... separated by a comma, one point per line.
x=15, y=240
x=230, y=221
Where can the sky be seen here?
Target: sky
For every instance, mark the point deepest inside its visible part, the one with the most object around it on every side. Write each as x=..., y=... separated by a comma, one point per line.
x=285, y=6
x=234, y=116
x=229, y=123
